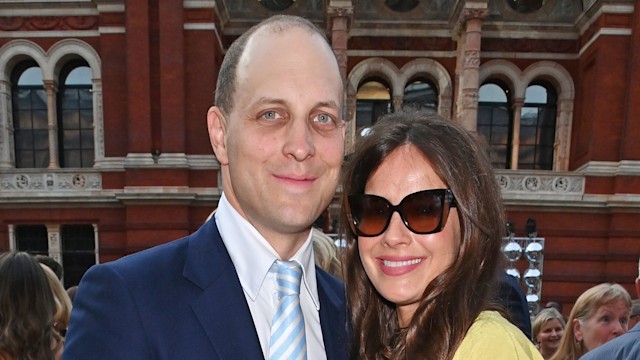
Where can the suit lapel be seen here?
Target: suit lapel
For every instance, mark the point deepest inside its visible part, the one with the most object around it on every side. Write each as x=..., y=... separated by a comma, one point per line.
x=221, y=308
x=332, y=318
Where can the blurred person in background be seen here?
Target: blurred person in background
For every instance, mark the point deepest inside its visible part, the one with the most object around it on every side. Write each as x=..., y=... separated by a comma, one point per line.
x=548, y=327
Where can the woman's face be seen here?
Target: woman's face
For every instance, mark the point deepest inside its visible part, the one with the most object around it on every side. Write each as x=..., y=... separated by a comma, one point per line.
x=550, y=335
x=399, y=262
x=606, y=323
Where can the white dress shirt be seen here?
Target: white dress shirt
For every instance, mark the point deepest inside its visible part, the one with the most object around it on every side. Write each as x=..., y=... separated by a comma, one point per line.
x=252, y=257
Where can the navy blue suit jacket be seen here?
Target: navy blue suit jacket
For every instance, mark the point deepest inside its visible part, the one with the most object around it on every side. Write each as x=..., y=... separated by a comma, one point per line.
x=182, y=300
x=624, y=347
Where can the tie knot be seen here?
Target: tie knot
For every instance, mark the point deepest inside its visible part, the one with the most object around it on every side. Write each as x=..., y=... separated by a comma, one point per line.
x=288, y=276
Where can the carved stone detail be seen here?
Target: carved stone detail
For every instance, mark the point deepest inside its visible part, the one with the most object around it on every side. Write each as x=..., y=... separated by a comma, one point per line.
x=540, y=184
x=51, y=181
x=39, y=23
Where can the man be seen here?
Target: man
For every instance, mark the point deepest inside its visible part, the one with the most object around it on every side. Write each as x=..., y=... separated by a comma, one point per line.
x=624, y=347
x=278, y=134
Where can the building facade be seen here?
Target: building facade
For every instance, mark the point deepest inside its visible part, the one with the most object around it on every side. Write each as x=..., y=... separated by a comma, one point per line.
x=104, y=148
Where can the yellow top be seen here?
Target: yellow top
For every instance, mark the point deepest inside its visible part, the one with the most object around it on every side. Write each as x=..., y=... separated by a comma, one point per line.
x=493, y=337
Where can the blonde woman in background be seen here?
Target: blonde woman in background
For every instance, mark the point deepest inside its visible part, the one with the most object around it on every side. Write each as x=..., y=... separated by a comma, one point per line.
x=62, y=300
x=326, y=253
x=600, y=314
x=548, y=327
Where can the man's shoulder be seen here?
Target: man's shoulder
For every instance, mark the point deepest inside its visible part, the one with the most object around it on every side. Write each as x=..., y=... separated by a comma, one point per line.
x=624, y=347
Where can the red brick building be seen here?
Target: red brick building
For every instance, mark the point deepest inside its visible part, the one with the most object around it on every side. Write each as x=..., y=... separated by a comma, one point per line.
x=104, y=149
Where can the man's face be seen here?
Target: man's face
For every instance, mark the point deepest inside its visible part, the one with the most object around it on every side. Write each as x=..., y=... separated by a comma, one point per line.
x=284, y=139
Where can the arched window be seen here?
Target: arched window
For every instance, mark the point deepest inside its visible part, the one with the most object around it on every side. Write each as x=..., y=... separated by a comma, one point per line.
x=421, y=94
x=30, y=126
x=495, y=122
x=372, y=100
x=75, y=116
x=537, y=127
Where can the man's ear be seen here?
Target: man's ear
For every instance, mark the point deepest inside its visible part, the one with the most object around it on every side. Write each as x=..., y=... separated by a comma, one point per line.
x=577, y=330
x=217, y=126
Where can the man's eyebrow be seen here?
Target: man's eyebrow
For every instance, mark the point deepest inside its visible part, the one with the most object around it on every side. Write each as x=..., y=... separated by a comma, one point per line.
x=319, y=104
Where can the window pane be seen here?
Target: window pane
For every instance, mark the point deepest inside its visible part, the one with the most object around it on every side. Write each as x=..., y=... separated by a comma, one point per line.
x=39, y=99
x=24, y=159
x=78, y=252
x=23, y=140
x=40, y=119
x=528, y=135
x=86, y=119
x=86, y=99
x=41, y=158
x=70, y=99
x=420, y=95
x=71, y=139
x=40, y=140
x=491, y=93
x=71, y=158
x=87, y=158
x=70, y=119
x=86, y=139
x=32, y=239
x=22, y=98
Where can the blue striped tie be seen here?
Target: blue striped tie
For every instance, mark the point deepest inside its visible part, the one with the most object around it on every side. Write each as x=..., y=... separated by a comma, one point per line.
x=288, y=340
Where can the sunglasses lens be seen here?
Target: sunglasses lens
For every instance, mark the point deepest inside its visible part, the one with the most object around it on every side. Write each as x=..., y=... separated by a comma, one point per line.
x=422, y=211
x=370, y=214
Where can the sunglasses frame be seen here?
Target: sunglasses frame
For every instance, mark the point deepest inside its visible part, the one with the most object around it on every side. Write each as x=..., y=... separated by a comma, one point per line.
x=447, y=201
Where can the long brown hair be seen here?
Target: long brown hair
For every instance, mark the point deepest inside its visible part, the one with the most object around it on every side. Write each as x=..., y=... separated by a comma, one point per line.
x=453, y=300
x=27, y=307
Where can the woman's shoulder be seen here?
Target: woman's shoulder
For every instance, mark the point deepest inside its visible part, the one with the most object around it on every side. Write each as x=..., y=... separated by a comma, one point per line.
x=492, y=335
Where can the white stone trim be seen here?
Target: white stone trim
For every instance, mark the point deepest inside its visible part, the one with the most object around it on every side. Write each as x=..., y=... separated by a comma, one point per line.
x=603, y=32
x=610, y=168
x=49, y=34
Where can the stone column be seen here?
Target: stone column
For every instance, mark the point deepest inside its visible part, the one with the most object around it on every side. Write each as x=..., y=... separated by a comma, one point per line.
x=515, y=143
x=562, y=144
x=339, y=22
x=6, y=127
x=52, y=122
x=339, y=15
x=468, y=66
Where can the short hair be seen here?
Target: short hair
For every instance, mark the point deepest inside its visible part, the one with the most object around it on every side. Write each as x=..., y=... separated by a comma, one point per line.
x=227, y=76
x=584, y=308
x=462, y=162
x=52, y=264
x=545, y=315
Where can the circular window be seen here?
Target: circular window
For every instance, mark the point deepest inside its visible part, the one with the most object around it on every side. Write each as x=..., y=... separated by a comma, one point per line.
x=401, y=5
x=276, y=5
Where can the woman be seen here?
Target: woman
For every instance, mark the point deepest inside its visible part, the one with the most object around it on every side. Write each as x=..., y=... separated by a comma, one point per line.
x=426, y=223
x=548, y=327
x=600, y=314
x=26, y=310
x=63, y=302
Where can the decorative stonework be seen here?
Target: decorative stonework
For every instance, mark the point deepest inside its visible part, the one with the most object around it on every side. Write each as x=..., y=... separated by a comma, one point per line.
x=39, y=23
x=50, y=181
x=541, y=184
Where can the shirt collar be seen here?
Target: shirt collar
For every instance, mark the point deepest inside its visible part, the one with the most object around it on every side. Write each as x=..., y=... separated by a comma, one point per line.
x=252, y=267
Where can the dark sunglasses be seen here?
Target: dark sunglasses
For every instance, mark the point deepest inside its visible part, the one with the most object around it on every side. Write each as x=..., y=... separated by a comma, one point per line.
x=423, y=212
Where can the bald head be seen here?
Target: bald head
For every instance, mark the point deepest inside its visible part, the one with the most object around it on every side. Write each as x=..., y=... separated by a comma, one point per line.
x=227, y=83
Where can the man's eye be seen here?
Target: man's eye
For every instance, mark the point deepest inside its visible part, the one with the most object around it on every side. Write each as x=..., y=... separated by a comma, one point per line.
x=270, y=115
x=325, y=121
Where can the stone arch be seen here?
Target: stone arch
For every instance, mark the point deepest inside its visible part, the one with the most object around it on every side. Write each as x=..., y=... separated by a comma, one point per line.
x=18, y=50
x=505, y=71
x=59, y=55
x=11, y=54
x=435, y=71
x=560, y=78
x=63, y=51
